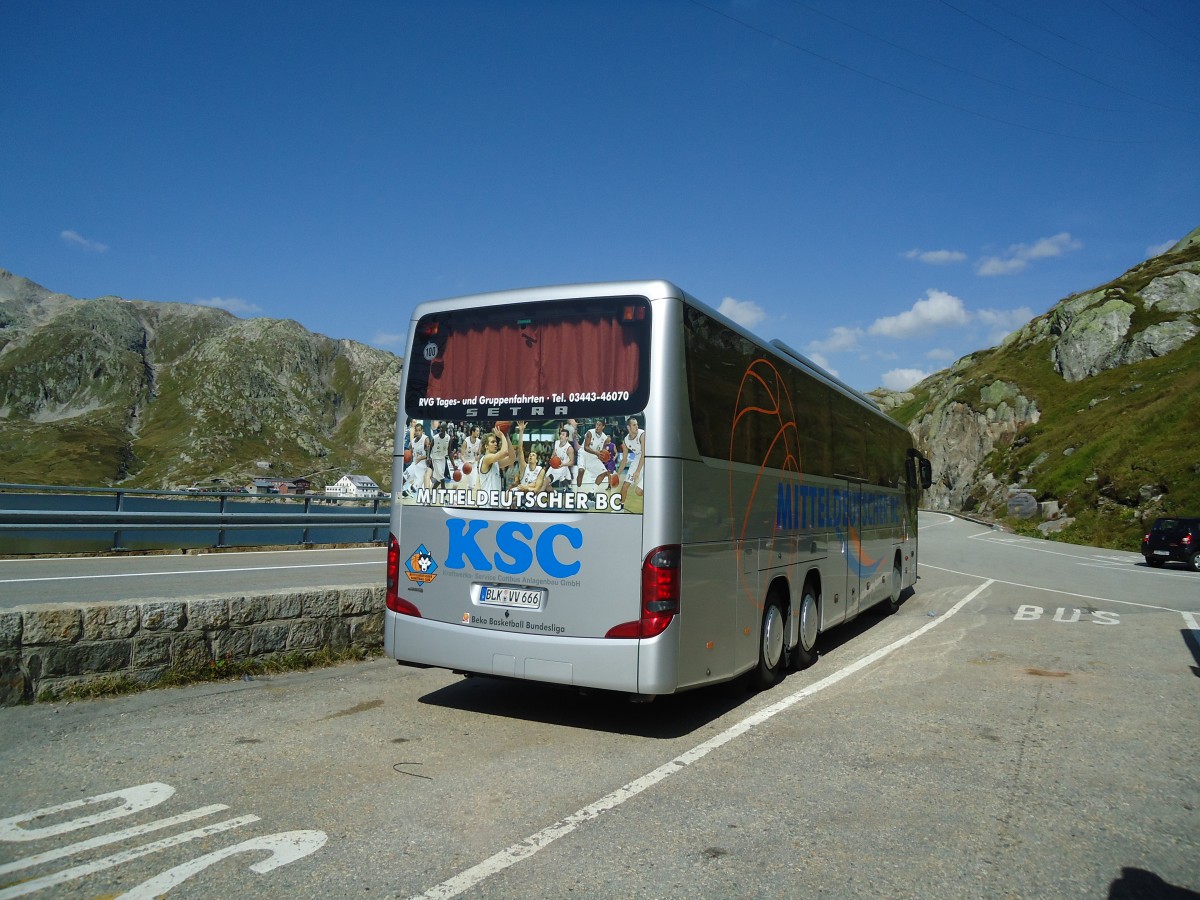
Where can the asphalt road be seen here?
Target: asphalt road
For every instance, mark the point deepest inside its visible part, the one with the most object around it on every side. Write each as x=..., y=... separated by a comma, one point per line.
x=171, y=576
x=1024, y=726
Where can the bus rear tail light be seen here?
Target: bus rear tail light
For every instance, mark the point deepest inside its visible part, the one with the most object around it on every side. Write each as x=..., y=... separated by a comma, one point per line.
x=393, y=600
x=660, y=595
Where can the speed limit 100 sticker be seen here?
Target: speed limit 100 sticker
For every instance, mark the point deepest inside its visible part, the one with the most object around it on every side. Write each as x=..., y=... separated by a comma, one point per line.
x=38, y=828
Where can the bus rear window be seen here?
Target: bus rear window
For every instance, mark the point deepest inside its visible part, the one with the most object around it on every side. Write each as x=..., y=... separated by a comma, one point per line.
x=576, y=358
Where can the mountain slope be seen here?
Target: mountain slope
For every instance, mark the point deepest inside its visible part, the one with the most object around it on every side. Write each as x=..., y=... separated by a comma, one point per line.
x=1091, y=409
x=145, y=394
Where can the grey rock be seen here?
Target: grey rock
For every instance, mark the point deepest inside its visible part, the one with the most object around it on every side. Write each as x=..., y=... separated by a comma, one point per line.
x=1177, y=292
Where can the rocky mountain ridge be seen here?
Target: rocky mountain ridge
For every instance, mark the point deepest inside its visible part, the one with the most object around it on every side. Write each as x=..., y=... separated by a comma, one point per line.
x=1085, y=418
x=164, y=395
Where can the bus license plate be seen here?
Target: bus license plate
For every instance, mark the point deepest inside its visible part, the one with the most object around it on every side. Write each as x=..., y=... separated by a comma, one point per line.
x=515, y=598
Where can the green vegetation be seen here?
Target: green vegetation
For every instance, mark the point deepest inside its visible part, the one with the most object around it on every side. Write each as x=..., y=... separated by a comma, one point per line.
x=163, y=395
x=1116, y=449
x=225, y=669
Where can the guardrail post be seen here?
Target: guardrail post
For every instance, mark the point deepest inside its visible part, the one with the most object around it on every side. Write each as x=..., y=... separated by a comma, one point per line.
x=116, y=541
x=305, y=538
x=375, y=539
x=221, y=531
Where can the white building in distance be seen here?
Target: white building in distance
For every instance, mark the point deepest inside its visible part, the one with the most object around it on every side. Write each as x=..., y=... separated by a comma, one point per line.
x=358, y=487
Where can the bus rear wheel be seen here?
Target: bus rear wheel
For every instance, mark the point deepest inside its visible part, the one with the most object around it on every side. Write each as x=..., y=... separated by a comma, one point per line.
x=804, y=654
x=892, y=603
x=772, y=644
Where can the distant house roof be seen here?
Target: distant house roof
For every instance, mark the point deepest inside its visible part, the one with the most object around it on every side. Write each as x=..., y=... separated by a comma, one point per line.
x=282, y=484
x=357, y=483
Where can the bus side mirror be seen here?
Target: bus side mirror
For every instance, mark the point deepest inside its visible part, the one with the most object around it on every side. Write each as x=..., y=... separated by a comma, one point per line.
x=926, y=473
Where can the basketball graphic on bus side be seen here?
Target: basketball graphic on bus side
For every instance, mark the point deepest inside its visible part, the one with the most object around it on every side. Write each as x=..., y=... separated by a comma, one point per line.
x=764, y=417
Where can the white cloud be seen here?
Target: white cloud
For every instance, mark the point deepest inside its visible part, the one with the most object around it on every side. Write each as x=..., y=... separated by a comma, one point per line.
x=1018, y=256
x=840, y=340
x=386, y=339
x=1159, y=249
x=746, y=313
x=936, y=257
x=903, y=379
x=938, y=310
x=231, y=304
x=1003, y=322
x=75, y=239
x=1048, y=247
x=994, y=265
x=941, y=354
x=821, y=361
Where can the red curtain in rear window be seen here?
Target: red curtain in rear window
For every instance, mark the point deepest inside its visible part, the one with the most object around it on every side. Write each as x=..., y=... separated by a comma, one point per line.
x=560, y=356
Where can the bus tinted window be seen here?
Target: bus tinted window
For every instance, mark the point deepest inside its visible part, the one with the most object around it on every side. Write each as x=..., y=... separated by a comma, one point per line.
x=575, y=359
x=743, y=403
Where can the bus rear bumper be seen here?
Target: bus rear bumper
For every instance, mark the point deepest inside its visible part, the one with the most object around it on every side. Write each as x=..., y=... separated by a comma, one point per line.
x=628, y=666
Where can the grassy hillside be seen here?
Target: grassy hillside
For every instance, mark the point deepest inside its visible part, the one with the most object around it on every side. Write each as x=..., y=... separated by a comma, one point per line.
x=1117, y=448
x=142, y=394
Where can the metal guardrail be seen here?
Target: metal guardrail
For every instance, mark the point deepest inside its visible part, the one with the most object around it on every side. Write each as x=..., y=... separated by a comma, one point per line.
x=46, y=519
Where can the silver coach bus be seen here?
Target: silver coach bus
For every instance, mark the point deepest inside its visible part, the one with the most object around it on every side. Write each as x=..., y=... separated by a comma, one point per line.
x=613, y=486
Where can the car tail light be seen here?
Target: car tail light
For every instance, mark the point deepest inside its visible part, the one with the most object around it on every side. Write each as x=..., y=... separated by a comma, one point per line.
x=660, y=595
x=1187, y=539
x=394, y=601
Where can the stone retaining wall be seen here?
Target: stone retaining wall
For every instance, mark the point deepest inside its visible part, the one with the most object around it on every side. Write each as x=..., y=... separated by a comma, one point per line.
x=53, y=647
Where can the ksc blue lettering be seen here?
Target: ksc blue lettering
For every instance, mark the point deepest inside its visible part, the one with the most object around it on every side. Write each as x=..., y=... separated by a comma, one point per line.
x=509, y=543
x=546, y=556
x=462, y=541
x=513, y=556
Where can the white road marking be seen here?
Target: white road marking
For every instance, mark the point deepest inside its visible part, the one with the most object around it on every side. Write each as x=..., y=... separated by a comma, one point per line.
x=28, y=887
x=134, y=799
x=510, y=856
x=112, y=838
x=375, y=563
x=945, y=518
x=1034, y=587
x=1029, y=544
x=285, y=847
x=312, y=551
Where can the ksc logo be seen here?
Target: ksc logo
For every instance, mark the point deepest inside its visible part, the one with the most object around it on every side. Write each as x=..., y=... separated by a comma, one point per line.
x=516, y=548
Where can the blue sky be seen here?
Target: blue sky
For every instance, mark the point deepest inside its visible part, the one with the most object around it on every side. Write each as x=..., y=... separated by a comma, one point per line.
x=886, y=186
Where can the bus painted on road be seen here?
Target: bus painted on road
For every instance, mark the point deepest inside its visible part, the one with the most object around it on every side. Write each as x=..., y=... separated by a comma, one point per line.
x=613, y=486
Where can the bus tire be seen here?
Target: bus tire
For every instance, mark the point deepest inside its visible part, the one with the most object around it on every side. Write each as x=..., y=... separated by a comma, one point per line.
x=892, y=603
x=804, y=654
x=772, y=644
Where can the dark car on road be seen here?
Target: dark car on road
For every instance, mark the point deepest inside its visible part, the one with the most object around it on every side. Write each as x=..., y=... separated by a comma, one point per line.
x=1173, y=539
